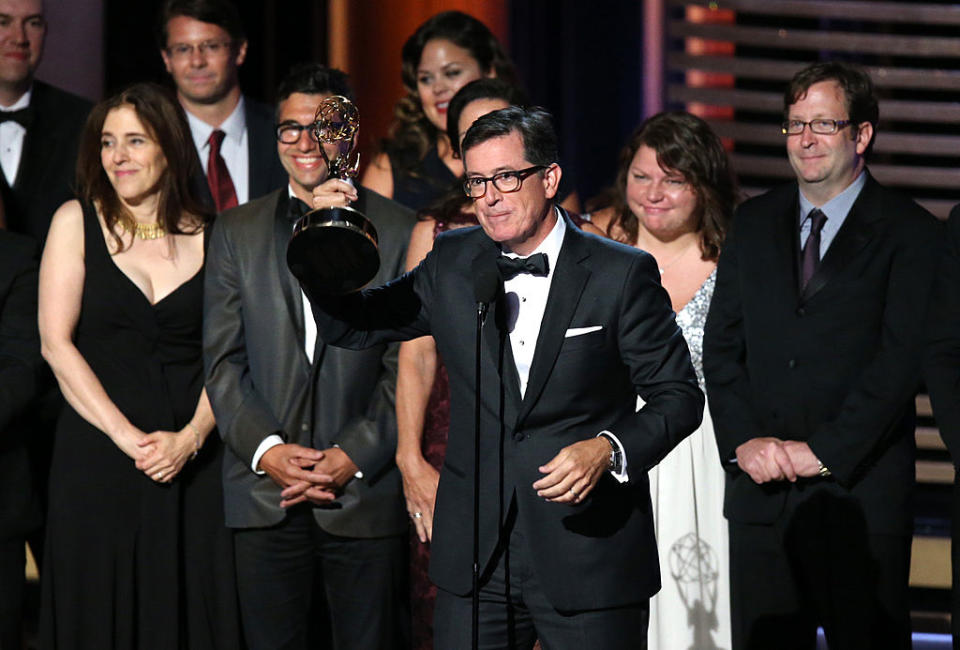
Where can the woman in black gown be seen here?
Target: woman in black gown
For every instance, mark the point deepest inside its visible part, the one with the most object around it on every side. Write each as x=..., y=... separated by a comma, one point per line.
x=137, y=554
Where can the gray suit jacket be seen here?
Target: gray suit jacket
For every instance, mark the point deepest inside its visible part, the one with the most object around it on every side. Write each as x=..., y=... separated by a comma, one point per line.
x=260, y=381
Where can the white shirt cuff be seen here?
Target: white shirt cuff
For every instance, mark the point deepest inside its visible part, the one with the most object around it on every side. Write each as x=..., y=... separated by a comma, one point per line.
x=622, y=475
x=269, y=442
x=359, y=474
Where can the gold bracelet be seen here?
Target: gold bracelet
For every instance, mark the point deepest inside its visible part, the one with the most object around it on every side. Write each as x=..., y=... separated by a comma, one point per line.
x=196, y=440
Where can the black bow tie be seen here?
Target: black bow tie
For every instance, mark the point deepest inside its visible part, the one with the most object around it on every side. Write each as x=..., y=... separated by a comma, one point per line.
x=296, y=209
x=23, y=117
x=511, y=267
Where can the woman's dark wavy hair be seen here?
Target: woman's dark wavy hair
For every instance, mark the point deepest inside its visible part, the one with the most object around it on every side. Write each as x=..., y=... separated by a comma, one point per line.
x=450, y=206
x=486, y=88
x=412, y=134
x=178, y=210
x=683, y=143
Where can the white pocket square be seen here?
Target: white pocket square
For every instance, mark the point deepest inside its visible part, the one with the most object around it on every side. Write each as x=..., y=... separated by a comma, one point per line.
x=580, y=331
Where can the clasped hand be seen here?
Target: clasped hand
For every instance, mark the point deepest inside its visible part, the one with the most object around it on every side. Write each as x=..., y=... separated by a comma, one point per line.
x=573, y=473
x=307, y=474
x=772, y=459
x=162, y=454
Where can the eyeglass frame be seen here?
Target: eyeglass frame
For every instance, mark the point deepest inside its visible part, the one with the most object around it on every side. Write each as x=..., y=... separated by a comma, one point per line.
x=838, y=125
x=520, y=174
x=291, y=125
x=186, y=50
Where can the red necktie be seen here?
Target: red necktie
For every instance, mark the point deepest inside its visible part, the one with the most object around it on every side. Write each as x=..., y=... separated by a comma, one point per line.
x=218, y=178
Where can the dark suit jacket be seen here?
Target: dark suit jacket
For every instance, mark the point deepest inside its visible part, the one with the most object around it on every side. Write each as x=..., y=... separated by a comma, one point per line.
x=942, y=362
x=20, y=367
x=261, y=382
x=942, y=374
x=599, y=553
x=265, y=171
x=835, y=365
x=45, y=178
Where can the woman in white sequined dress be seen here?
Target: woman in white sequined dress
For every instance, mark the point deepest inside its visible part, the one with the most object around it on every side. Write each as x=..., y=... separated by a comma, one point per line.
x=674, y=198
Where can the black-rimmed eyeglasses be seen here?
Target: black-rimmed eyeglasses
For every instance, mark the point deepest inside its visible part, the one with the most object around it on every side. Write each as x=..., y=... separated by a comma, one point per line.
x=289, y=132
x=510, y=181
x=818, y=126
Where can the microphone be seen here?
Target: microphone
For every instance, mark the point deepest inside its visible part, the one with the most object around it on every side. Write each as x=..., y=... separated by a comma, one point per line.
x=486, y=282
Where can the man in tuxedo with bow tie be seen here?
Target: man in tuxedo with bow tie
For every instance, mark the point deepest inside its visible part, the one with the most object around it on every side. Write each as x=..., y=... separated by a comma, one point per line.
x=811, y=356
x=39, y=125
x=40, y=128
x=579, y=330
x=297, y=415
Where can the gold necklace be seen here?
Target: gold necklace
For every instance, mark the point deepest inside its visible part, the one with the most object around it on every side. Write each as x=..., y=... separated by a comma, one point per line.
x=153, y=230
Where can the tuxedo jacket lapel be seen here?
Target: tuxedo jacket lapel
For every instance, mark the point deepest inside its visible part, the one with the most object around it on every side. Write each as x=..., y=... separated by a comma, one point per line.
x=855, y=233
x=495, y=338
x=566, y=287
x=42, y=136
x=290, y=288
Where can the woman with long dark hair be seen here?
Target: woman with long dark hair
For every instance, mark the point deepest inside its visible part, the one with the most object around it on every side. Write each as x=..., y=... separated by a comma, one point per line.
x=137, y=553
x=445, y=53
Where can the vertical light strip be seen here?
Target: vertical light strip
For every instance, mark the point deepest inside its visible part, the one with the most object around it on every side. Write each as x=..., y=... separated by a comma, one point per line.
x=338, y=34
x=654, y=48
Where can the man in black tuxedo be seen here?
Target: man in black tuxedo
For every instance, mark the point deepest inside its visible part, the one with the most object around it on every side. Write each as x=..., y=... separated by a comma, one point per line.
x=40, y=128
x=811, y=371
x=203, y=45
x=20, y=371
x=942, y=374
x=296, y=414
x=39, y=125
x=580, y=329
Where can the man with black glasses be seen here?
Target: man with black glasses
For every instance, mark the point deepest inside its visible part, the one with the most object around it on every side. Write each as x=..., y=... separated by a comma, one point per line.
x=310, y=484
x=811, y=356
x=203, y=45
x=578, y=329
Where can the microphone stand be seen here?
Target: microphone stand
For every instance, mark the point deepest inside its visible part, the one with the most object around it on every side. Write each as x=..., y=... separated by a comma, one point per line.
x=475, y=604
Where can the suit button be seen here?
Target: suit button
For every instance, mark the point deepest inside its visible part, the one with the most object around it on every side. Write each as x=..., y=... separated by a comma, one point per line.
x=304, y=427
x=518, y=436
x=801, y=311
x=792, y=363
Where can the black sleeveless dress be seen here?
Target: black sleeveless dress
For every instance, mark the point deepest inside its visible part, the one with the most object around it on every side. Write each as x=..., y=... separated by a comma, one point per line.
x=131, y=563
x=424, y=185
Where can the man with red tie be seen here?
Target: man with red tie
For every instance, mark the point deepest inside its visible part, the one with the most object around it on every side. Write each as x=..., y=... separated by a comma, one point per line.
x=202, y=43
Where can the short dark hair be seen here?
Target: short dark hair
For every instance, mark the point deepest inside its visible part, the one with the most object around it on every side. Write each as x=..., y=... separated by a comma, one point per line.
x=685, y=144
x=163, y=118
x=486, y=88
x=859, y=94
x=314, y=79
x=222, y=13
x=535, y=126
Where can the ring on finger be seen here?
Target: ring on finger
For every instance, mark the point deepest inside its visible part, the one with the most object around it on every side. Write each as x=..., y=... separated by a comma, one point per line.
x=159, y=475
x=574, y=493
x=417, y=515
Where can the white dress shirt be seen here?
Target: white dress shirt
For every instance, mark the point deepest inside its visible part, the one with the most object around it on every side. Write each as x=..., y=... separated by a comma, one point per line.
x=310, y=347
x=11, y=139
x=525, y=297
x=234, y=148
